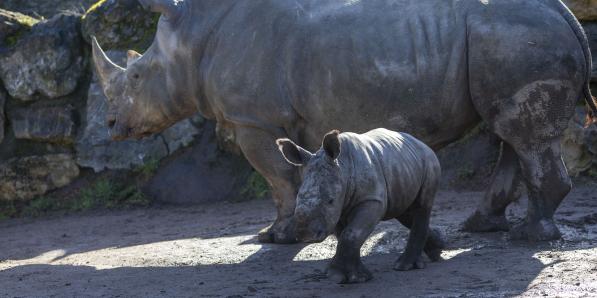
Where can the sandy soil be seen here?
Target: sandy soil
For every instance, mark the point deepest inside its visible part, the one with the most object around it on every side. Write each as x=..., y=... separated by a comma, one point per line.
x=211, y=251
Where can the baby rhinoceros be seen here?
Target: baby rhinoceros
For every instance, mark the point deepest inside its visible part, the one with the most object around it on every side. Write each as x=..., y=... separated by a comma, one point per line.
x=356, y=180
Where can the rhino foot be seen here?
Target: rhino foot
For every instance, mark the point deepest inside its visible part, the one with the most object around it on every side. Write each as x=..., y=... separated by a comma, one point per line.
x=348, y=272
x=543, y=230
x=485, y=223
x=406, y=264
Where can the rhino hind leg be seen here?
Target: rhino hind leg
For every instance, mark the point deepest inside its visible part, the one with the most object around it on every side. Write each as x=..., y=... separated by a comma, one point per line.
x=532, y=122
x=435, y=242
x=490, y=215
x=259, y=147
x=548, y=183
x=417, y=220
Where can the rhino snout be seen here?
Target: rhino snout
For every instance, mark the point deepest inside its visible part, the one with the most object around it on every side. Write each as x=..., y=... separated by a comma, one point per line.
x=312, y=232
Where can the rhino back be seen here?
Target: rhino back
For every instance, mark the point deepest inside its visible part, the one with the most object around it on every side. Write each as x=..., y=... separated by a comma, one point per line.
x=308, y=66
x=352, y=65
x=392, y=165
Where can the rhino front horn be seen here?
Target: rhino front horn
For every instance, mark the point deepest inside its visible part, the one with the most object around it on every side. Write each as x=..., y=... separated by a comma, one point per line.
x=103, y=65
x=168, y=8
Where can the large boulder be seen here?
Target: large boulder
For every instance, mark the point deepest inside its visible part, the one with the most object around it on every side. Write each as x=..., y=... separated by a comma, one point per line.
x=120, y=24
x=28, y=177
x=48, y=61
x=200, y=174
x=95, y=148
x=48, y=124
x=585, y=10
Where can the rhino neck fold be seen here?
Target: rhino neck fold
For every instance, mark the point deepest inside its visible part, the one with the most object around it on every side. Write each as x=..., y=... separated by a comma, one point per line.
x=205, y=47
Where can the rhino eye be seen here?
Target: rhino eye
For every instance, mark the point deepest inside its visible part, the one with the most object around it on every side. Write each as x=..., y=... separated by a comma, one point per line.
x=331, y=201
x=135, y=76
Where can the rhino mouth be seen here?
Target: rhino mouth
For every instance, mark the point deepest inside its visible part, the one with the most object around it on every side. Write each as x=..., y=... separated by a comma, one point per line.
x=312, y=236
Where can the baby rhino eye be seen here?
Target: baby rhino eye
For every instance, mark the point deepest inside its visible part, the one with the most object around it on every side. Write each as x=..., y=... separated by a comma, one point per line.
x=331, y=201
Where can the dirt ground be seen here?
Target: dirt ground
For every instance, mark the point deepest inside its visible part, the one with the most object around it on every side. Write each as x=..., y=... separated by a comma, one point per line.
x=211, y=251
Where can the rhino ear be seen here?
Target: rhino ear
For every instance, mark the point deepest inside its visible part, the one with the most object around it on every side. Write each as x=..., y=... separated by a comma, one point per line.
x=331, y=144
x=293, y=153
x=131, y=57
x=169, y=8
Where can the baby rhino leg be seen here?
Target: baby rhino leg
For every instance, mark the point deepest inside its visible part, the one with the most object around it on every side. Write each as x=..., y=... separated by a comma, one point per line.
x=435, y=240
x=421, y=237
x=417, y=220
x=346, y=266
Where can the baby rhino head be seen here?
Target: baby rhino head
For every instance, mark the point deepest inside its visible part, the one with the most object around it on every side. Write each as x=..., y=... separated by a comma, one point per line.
x=321, y=196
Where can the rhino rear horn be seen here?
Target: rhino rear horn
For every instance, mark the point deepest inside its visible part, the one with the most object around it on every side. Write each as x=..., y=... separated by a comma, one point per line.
x=103, y=65
x=131, y=57
x=168, y=8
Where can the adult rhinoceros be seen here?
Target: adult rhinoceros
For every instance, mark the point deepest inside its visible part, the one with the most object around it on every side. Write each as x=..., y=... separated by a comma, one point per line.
x=267, y=69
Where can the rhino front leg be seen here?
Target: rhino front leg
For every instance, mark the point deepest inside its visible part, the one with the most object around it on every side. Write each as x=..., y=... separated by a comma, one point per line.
x=259, y=147
x=346, y=265
x=490, y=215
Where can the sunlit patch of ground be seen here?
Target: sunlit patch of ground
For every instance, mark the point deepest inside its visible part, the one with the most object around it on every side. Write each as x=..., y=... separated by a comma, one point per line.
x=212, y=251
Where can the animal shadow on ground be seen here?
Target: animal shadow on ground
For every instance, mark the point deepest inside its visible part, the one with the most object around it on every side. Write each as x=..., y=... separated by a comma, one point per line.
x=212, y=251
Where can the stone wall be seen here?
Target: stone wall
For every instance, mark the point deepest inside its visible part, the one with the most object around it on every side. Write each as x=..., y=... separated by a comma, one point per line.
x=52, y=109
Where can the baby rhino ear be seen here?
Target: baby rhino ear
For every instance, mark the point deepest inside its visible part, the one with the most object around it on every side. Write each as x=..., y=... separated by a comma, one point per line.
x=331, y=144
x=293, y=153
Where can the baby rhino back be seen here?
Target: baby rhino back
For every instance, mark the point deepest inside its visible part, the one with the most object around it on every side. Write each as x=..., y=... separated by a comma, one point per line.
x=409, y=167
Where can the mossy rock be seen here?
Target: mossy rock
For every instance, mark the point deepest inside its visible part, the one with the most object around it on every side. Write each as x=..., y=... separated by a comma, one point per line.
x=46, y=9
x=44, y=60
x=13, y=25
x=120, y=24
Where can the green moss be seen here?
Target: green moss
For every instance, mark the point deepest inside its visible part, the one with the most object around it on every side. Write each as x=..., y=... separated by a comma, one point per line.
x=27, y=20
x=12, y=40
x=21, y=23
x=256, y=187
x=148, y=168
x=7, y=209
x=40, y=205
x=97, y=195
x=103, y=193
x=109, y=194
x=93, y=7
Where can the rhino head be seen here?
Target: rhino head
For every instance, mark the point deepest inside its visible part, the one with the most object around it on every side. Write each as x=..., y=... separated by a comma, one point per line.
x=320, y=198
x=142, y=98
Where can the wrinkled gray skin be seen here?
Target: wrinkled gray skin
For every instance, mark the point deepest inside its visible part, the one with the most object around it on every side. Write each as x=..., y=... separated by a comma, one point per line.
x=353, y=182
x=269, y=69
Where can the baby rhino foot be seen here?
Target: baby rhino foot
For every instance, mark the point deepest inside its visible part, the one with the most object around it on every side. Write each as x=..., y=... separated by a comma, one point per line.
x=345, y=273
x=405, y=264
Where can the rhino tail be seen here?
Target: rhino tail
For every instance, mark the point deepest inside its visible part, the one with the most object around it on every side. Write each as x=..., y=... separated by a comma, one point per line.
x=590, y=100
